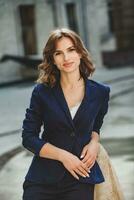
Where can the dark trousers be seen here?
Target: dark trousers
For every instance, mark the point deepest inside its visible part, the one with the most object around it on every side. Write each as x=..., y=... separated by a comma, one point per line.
x=67, y=189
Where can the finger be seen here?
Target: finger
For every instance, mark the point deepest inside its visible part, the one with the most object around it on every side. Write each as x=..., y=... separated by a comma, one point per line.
x=84, y=166
x=89, y=158
x=89, y=170
x=80, y=173
x=89, y=162
x=86, y=158
x=91, y=165
x=83, y=153
x=74, y=175
x=83, y=171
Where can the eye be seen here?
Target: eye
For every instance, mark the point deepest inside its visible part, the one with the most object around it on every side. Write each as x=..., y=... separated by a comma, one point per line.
x=57, y=53
x=72, y=49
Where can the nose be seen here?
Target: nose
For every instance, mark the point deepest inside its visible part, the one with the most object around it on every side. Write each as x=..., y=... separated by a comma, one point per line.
x=66, y=56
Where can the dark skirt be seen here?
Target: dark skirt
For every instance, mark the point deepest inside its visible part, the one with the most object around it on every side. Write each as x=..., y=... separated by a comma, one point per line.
x=68, y=188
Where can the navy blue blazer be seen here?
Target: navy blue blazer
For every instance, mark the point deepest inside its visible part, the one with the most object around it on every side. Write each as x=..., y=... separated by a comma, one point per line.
x=49, y=108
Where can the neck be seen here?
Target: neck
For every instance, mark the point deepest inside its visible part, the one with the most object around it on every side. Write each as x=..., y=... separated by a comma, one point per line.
x=71, y=81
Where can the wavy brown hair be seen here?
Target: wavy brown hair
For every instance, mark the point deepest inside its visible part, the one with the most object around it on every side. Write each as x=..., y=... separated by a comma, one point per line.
x=48, y=71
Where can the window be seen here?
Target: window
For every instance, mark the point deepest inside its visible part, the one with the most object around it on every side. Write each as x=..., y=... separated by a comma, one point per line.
x=110, y=15
x=27, y=17
x=71, y=16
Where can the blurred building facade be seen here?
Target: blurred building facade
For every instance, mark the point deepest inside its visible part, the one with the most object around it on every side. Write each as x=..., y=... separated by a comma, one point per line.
x=25, y=26
x=121, y=15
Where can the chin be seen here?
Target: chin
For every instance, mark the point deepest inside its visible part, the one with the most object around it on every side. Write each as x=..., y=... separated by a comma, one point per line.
x=69, y=70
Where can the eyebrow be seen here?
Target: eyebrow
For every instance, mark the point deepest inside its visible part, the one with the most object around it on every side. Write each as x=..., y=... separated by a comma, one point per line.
x=58, y=50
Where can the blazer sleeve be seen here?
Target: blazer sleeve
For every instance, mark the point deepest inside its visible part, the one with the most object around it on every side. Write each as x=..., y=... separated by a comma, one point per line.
x=32, y=124
x=102, y=112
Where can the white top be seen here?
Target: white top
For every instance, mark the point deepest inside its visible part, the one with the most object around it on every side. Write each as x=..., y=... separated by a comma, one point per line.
x=74, y=109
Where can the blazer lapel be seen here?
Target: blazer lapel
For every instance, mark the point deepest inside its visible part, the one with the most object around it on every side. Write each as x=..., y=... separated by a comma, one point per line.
x=59, y=95
x=88, y=97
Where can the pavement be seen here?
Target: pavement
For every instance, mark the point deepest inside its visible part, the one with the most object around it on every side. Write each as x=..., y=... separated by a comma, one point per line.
x=116, y=135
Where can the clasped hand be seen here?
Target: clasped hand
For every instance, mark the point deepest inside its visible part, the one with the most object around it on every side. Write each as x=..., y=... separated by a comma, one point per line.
x=81, y=166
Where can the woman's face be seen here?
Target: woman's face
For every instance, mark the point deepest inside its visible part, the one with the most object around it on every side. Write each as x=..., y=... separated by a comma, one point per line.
x=65, y=56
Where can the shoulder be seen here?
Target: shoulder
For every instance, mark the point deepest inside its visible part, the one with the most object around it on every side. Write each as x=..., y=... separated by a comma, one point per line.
x=40, y=87
x=102, y=88
x=40, y=90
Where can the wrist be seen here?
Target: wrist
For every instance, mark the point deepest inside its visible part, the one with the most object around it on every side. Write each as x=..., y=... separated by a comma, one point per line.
x=95, y=137
x=94, y=140
x=62, y=155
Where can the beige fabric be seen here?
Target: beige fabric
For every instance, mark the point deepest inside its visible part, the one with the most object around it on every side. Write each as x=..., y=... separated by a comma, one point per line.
x=110, y=189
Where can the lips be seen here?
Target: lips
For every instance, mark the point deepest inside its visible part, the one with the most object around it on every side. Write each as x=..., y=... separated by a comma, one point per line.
x=67, y=64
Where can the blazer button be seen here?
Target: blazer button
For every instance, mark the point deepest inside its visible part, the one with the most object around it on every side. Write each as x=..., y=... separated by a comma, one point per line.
x=72, y=134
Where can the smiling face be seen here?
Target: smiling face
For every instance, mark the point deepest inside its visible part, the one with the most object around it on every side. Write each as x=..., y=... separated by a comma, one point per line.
x=66, y=58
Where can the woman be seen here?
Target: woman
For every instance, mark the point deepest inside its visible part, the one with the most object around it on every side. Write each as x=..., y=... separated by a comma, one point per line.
x=71, y=109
